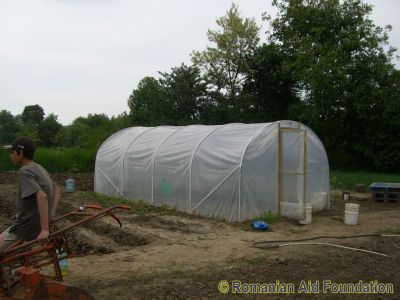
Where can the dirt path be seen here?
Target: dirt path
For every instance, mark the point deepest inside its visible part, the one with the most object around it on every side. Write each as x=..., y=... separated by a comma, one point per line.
x=179, y=256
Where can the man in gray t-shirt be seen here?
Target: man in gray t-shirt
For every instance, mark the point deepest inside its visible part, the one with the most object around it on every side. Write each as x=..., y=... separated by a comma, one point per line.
x=37, y=197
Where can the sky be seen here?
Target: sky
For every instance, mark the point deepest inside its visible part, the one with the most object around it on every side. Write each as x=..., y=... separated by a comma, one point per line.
x=76, y=57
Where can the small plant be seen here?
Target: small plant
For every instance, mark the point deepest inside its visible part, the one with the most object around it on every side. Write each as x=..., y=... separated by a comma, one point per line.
x=73, y=169
x=393, y=230
x=257, y=261
x=269, y=217
x=335, y=182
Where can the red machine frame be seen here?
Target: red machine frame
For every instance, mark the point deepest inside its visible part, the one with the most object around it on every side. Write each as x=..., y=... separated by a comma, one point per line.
x=21, y=265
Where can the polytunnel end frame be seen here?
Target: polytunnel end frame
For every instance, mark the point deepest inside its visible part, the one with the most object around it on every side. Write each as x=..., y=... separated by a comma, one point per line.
x=300, y=128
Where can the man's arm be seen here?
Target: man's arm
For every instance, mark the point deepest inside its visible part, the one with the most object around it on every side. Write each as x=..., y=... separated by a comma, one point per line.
x=43, y=203
x=57, y=195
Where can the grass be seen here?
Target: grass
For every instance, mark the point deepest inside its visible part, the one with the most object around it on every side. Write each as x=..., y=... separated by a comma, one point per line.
x=347, y=180
x=5, y=162
x=137, y=207
x=61, y=160
x=258, y=260
x=269, y=217
x=66, y=160
x=393, y=230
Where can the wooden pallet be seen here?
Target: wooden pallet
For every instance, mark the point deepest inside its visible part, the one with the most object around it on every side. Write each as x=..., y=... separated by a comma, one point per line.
x=382, y=191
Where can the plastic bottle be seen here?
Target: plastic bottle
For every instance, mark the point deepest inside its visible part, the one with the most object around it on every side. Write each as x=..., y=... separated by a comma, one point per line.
x=63, y=262
x=69, y=185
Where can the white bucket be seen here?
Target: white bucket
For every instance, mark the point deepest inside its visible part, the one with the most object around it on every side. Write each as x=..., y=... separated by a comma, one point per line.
x=346, y=196
x=308, y=218
x=351, y=213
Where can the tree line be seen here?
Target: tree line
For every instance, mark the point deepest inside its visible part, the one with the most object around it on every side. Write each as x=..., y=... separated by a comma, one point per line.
x=324, y=63
x=84, y=132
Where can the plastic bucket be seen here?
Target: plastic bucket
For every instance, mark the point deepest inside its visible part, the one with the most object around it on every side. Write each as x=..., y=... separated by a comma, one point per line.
x=351, y=213
x=346, y=196
x=260, y=225
x=308, y=218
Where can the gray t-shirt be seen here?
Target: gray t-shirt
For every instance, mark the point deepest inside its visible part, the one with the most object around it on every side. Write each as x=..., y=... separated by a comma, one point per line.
x=32, y=178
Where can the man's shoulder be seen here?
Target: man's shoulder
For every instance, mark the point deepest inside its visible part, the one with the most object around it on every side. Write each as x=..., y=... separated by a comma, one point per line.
x=31, y=169
x=24, y=170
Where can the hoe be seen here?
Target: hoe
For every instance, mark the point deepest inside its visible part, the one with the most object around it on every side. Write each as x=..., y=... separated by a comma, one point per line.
x=21, y=266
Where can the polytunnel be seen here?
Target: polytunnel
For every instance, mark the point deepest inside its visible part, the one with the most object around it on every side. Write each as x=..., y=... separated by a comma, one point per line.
x=234, y=171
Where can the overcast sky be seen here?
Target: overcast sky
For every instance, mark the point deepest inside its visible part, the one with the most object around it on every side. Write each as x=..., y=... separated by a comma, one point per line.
x=75, y=57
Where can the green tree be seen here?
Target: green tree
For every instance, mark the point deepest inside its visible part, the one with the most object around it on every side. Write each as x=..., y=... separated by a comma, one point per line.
x=90, y=132
x=86, y=132
x=269, y=92
x=225, y=64
x=381, y=142
x=32, y=114
x=31, y=117
x=176, y=98
x=121, y=121
x=185, y=93
x=31, y=131
x=339, y=61
x=94, y=120
x=147, y=104
x=76, y=135
x=48, y=130
x=8, y=127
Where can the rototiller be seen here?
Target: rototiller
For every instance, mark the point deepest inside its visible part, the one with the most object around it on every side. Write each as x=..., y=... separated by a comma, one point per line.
x=22, y=274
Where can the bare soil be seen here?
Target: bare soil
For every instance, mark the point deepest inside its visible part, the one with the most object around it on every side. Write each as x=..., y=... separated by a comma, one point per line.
x=156, y=256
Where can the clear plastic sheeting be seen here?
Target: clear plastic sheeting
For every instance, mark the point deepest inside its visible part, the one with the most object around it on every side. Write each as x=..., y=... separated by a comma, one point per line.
x=233, y=171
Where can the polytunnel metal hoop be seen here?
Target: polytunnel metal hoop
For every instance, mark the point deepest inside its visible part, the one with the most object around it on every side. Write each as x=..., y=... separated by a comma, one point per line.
x=153, y=160
x=101, y=146
x=126, y=150
x=215, y=188
x=191, y=163
x=109, y=180
x=241, y=160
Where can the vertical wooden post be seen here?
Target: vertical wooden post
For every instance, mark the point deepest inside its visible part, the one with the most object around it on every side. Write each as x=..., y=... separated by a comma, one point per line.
x=279, y=169
x=305, y=171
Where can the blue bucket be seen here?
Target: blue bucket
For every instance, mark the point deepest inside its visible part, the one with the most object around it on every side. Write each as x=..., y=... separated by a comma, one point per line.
x=260, y=225
x=69, y=185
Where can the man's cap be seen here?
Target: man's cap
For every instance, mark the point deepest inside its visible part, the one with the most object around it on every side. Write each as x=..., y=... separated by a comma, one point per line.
x=23, y=143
